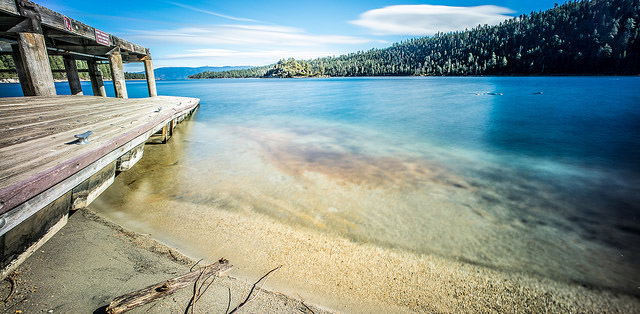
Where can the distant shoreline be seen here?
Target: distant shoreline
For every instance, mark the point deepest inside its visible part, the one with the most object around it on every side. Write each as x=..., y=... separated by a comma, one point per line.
x=390, y=76
x=16, y=81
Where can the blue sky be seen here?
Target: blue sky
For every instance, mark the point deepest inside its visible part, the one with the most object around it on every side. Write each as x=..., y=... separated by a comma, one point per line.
x=258, y=32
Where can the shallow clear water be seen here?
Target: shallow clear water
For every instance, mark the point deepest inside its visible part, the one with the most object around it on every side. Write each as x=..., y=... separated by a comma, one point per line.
x=542, y=179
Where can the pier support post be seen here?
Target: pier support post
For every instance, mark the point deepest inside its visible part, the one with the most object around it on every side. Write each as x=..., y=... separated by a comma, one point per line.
x=34, y=71
x=22, y=75
x=151, y=78
x=72, y=75
x=165, y=134
x=96, y=79
x=117, y=74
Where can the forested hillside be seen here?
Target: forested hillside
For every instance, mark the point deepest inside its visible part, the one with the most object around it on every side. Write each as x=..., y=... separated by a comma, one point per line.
x=580, y=37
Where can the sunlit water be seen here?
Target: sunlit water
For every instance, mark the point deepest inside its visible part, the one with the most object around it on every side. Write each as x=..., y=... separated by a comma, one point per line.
x=542, y=179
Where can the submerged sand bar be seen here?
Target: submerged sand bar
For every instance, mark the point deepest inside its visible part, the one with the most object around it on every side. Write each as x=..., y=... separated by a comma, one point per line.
x=45, y=171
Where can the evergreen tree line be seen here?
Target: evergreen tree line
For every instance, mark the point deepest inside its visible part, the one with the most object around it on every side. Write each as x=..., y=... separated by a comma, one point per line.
x=584, y=37
x=57, y=63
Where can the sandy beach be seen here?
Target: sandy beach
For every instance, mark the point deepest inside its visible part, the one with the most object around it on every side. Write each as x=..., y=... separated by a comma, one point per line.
x=91, y=261
x=358, y=278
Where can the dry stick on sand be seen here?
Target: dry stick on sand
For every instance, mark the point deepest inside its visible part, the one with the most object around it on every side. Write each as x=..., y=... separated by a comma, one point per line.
x=13, y=287
x=310, y=310
x=198, y=292
x=134, y=299
x=246, y=300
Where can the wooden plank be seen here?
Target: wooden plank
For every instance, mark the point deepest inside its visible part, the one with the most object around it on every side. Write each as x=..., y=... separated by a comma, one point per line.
x=55, y=20
x=17, y=240
x=65, y=70
x=117, y=75
x=35, y=61
x=129, y=46
x=86, y=49
x=49, y=119
x=57, y=143
x=33, y=248
x=87, y=191
x=9, y=6
x=72, y=75
x=96, y=79
x=151, y=78
x=14, y=192
x=130, y=158
x=103, y=113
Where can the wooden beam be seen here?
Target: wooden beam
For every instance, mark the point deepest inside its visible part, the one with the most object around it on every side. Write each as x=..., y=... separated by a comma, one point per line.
x=58, y=24
x=38, y=80
x=96, y=79
x=9, y=6
x=151, y=78
x=117, y=75
x=63, y=71
x=162, y=289
x=86, y=49
x=165, y=134
x=72, y=75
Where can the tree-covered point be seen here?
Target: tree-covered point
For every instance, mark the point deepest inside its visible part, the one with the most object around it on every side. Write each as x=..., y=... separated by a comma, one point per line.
x=57, y=63
x=598, y=37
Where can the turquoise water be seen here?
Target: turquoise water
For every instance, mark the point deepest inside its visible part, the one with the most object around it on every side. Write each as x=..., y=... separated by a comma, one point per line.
x=533, y=175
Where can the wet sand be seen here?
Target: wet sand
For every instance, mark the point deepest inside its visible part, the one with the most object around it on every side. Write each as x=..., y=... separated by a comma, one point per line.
x=359, y=278
x=91, y=261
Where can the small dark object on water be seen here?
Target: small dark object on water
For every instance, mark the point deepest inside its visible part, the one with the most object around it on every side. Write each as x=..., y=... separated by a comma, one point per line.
x=537, y=93
x=495, y=94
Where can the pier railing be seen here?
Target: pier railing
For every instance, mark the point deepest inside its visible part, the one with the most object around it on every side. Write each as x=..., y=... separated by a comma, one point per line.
x=35, y=32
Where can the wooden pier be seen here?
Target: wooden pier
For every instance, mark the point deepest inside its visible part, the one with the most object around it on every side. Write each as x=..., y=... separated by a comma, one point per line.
x=58, y=153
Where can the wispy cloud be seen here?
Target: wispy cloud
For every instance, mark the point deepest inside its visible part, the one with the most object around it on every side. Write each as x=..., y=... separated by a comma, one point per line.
x=262, y=54
x=429, y=19
x=241, y=19
x=245, y=35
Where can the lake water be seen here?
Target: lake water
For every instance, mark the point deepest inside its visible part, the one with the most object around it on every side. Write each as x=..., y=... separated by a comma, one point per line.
x=527, y=175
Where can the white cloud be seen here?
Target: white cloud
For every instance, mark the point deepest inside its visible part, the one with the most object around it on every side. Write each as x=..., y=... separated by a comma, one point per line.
x=254, y=54
x=246, y=35
x=429, y=19
x=212, y=13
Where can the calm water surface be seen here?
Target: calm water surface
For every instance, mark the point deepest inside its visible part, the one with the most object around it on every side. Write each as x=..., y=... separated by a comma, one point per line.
x=542, y=179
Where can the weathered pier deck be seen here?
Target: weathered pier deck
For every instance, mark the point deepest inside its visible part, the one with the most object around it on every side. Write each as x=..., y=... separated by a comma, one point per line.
x=58, y=153
x=45, y=172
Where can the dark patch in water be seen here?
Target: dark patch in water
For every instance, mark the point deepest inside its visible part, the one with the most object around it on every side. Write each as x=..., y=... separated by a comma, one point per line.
x=635, y=229
x=490, y=199
x=336, y=163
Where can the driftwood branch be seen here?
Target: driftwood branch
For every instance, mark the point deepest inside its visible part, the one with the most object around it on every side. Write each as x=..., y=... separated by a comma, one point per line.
x=248, y=298
x=134, y=299
x=13, y=288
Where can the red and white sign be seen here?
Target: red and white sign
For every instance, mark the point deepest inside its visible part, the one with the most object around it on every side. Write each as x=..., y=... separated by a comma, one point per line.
x=102, y=38
x=67, y=23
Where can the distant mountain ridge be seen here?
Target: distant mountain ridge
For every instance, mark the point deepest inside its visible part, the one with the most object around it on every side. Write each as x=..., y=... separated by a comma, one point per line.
x=182, y=73
x=586, y=37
